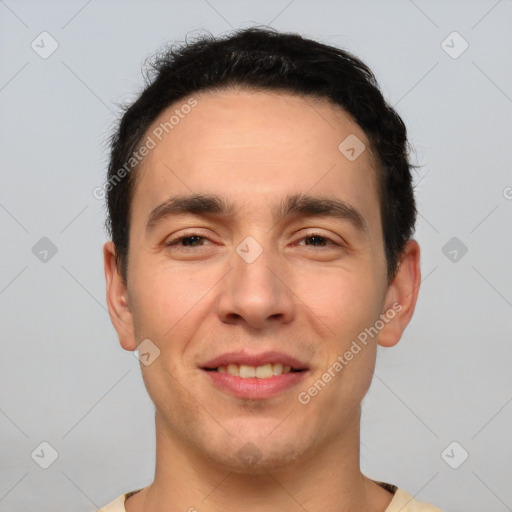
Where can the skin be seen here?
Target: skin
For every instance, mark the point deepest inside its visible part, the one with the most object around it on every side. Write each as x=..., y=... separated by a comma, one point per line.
x=299, y=296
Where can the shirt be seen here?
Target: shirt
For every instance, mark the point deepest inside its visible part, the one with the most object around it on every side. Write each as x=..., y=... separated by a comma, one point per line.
x=401, y=502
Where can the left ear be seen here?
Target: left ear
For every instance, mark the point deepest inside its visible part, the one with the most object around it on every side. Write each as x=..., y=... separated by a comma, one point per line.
x=401, y=296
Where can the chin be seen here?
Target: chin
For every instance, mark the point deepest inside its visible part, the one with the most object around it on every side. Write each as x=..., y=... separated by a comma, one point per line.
x=258, y=454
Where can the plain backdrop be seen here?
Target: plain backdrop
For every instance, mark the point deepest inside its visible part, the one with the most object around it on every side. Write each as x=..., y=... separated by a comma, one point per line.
x=442, y=394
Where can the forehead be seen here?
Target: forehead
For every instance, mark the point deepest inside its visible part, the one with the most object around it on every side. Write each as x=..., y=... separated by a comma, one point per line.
x=247, y=144
x=245, y=122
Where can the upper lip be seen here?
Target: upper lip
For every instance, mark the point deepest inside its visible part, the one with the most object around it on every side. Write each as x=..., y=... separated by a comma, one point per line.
x=243, y=357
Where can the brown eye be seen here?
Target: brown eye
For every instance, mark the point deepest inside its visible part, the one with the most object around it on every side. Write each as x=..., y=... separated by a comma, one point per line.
x=317, y=240
x=187, y=241
x=190, y=240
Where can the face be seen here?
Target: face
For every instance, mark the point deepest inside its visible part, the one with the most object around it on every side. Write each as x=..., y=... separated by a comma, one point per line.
x=256, y=267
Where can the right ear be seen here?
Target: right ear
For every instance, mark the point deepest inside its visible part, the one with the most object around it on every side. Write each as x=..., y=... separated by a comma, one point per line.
x=117, y=299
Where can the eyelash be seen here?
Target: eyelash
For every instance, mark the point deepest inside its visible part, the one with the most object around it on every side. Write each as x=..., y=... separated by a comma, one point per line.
x=175, y=242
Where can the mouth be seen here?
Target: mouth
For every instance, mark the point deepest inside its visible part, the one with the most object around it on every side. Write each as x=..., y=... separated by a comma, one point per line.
x=254, y=377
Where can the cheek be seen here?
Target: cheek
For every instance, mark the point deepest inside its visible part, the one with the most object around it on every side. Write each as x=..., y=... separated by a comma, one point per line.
x=346, y=301
x=168, y=299
x=167, y=310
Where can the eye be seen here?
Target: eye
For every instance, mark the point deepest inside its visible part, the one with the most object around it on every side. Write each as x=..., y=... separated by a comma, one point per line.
x=187, y=242
x=318, y=240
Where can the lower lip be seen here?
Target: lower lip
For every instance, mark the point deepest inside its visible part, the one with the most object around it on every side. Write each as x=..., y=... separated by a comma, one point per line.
x=253, y=388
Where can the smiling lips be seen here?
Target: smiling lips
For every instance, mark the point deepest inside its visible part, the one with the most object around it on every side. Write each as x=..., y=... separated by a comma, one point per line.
x=255, y=376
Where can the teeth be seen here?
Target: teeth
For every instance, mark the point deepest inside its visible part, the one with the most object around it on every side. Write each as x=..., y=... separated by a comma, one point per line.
x=261, y=372
x=247, y=371
x=233, y=369
x=264, y=372
x=277, y=368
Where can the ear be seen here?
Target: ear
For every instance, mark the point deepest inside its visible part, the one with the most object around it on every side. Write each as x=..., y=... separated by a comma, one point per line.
x=401, y=296
x=117, y=299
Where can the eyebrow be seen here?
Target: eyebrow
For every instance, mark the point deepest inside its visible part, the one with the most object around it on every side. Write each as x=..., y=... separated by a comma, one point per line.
x=304, y=205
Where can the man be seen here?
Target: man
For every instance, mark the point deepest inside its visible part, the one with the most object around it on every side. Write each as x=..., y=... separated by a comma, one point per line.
x=261, y=210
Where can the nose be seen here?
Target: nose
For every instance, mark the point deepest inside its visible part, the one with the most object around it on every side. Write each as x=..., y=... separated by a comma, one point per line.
x=256, y=293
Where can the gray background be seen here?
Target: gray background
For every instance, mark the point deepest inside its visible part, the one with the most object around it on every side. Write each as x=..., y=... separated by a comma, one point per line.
x=64, y=378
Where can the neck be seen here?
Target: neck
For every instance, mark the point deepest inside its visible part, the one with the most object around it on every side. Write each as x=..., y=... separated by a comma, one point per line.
x=328, y=479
